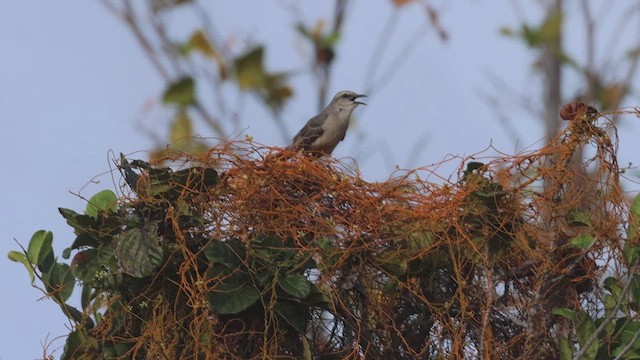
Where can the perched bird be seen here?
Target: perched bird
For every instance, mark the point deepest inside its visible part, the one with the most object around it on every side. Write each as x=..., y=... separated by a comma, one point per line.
x=323, y=132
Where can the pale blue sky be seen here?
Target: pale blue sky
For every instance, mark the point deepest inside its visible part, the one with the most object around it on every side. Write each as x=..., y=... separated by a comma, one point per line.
x=73, y=82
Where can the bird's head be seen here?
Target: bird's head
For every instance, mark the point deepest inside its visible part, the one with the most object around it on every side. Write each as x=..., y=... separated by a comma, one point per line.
x=347, y=100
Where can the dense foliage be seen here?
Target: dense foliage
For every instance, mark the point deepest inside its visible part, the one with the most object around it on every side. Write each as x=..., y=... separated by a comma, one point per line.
x=251, y=252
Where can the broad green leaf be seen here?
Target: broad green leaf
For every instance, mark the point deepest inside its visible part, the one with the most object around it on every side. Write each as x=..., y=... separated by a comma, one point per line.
x=610, y=303
x=296, y=314
x=551, y=28
x=81, y=223
x=317, y=298
x=155, y=182
x=626, y=329
x=199, y=41
x=277, y=92
x=634, y=290
x=80, y=346
x=83, y=240
x=22, y=258
x=296, y=285
x=578, y=217
x=59, y=281
x=391, y=262
x=105, y=200
x=131, y=177
x=582, y=241
x=635, y=206
x=566, y=353
x=249, y=71
x=86, y=296
x=228, y=252
x=564, y=312
x=272, y=251
x=331, y=40
x=233, y=298
x=421, y=240
x=611, y=284
x=181, y=92
x=196, y=178
x=40, y=251
x=634, y=220
x=324, y=243
x=584, y=330
x=139, y=251
x=630, y=253
x=547, y=32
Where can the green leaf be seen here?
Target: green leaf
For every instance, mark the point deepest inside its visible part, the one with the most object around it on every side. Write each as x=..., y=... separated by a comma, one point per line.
x=86, y=296
x=139, y=251
x=105, y=200
x=181, y=92
x=331, y=40
x=130, y=176
x=324, y=243
x=391, y=262
x=630, y=253
x=83, y=240
x=634, y=219
x=626, y=329
x=547, y=32
x=551, y=28
x=318, y=299
x=40, y=251
x=249, y=71
x=421, y=240
x=59, y=281
x=578, y=217
x=635, y=206
x=634, y=290
x=582, y=241
x=564, y=312
x=199, y=41
x=228, y=253
x=155, y=183
x=80, y=346
x=584, y=330
x=566, y=353
x=297, y=315
x=610, y=303
x=233, y=298
x=616, y=302
x=296, y=285
x=81, y=223
x=196, y=178
x=22, y=258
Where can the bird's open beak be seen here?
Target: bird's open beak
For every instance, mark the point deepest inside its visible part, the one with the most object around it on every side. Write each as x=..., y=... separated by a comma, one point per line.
x=359, y=102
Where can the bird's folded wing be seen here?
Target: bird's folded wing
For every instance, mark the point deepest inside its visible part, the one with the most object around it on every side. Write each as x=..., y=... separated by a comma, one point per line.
x=309, y=133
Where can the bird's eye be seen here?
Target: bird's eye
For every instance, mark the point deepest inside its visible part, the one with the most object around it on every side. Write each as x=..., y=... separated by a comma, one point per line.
x=345, y=95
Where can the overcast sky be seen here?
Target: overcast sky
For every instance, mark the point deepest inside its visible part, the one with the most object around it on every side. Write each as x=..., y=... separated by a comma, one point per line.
x=73, y=84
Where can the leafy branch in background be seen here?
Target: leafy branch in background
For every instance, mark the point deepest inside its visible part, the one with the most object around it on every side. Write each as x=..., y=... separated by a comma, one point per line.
x=197, y=68
x=584, y=66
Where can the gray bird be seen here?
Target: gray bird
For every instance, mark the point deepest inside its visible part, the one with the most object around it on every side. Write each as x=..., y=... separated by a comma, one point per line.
x=322, y=133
